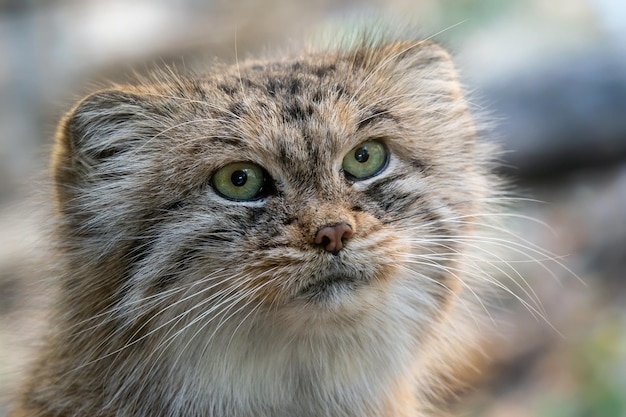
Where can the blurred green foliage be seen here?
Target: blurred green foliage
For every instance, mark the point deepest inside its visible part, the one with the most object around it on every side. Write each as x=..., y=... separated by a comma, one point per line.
x=600, y=377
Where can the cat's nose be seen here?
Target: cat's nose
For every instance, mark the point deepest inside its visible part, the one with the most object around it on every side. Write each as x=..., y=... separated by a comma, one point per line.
x=331, y=237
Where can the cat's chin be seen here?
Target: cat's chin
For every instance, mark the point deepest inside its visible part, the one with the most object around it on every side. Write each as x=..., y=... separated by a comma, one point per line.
x=331, y=288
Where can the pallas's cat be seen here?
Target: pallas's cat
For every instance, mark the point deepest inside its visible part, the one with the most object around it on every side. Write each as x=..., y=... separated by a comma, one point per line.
x=287, y=237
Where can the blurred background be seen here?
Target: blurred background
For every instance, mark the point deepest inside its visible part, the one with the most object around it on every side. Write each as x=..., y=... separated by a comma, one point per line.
x=551, y=75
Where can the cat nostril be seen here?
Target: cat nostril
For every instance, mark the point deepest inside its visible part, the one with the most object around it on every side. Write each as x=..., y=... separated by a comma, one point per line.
x=331, y=237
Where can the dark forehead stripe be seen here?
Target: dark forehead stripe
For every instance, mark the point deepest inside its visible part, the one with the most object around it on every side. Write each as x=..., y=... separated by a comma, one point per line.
x=375, y=115
x=289, y=85
x=324, y=92
x=324, y=70
x=232, y=141
x=235, y=86
x=297, y=111
x=237, y=108
x=230, y=90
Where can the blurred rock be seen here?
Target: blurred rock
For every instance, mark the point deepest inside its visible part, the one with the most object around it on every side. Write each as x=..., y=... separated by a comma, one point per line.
x=562, y=118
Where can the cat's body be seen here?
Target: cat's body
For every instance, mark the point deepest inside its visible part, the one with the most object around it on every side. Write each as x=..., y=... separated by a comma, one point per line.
x=328, y=290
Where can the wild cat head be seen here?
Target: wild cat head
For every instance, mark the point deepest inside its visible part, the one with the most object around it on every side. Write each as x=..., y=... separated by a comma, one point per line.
x=326, y=186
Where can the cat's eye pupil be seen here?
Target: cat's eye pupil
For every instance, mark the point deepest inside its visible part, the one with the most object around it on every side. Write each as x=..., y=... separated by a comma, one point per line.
x=361, y=154
x=239, y=178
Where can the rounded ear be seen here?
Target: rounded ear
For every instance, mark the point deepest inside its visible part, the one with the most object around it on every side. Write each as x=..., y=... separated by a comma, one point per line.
x=422, y=54
x=421, y=69
x=427, y=65
x=426, y=74
x=100, y=127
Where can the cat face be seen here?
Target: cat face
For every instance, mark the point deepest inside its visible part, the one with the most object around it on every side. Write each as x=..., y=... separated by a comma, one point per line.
x=322, y=189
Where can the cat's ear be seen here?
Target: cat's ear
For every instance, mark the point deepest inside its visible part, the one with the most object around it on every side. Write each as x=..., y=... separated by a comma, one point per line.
x=99, y=128
x=424, y=73
x=426, y=65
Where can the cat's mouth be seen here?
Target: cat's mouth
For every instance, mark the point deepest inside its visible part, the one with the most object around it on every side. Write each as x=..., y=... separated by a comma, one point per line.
x=330, y=285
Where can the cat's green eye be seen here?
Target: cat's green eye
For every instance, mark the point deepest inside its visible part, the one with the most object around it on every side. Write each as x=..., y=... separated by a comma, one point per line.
x=366, y=160
x=241, y=181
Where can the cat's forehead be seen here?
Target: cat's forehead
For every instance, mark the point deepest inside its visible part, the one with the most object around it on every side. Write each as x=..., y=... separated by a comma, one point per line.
x=296, y=111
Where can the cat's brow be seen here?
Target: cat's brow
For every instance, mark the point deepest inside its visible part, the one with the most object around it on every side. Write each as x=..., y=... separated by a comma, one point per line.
x=374, y=116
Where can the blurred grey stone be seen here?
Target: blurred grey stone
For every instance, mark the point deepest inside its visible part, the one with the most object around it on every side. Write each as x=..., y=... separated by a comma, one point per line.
x=569, y=116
